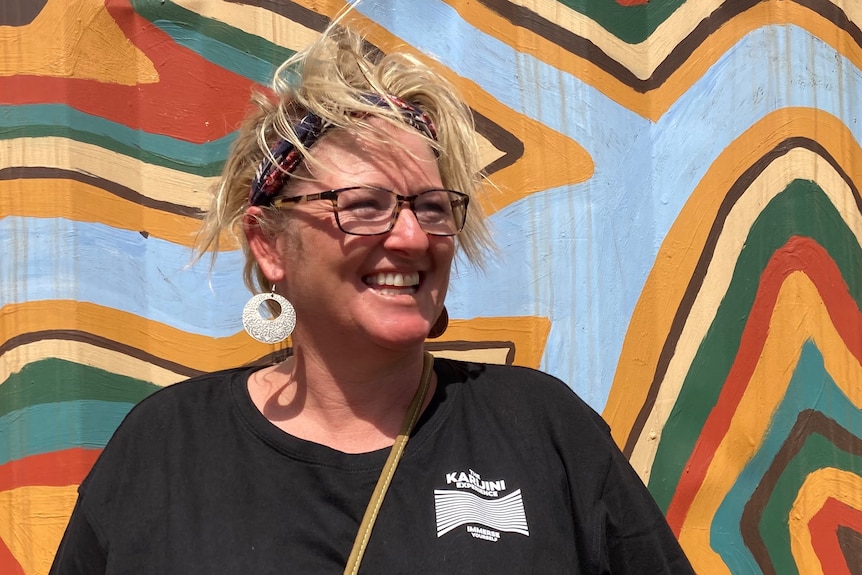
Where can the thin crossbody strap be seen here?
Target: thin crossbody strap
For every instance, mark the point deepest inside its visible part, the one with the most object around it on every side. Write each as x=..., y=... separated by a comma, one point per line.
x=388, y=471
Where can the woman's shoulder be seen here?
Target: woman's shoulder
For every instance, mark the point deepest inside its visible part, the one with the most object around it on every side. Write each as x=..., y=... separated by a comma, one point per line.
x=521, y=389
x=198, y=390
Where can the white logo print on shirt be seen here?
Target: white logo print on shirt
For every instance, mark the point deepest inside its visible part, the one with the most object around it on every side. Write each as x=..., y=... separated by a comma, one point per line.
x=484, y=518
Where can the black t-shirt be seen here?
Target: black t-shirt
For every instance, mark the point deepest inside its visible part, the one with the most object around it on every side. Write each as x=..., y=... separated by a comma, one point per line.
x=507, y=471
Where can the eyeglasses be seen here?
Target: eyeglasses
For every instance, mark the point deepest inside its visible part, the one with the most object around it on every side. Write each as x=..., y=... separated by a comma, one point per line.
x=370, y=211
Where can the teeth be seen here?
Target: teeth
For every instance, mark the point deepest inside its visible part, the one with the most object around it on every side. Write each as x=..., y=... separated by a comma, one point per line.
x=396, y=279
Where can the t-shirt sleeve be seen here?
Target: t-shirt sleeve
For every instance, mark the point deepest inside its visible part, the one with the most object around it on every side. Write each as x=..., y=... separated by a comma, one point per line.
x=80, y=552
x=637, y=536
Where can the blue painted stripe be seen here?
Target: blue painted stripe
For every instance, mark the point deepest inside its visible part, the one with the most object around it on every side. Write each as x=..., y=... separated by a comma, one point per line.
x=46, y=259
x=51, y=427
x=581, y=254
x=811, y=387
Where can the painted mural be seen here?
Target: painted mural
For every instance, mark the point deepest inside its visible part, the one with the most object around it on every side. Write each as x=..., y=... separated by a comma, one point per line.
x=675, y=198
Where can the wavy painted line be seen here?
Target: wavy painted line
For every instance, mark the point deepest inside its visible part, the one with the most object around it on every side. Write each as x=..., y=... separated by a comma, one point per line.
x=815, y=442
x=48, y=123
x=801, y=211
x=170, y=106
x=45, y=512
x=48, y=427
x=830, y=538
x=230, y=48
x=79, y=197
x=837, y=546
x=176, y=190
x=535, y=156
x=768, y=383
x=93, y=263
x=143, y=338
x=796, y=163
x=80, y=347
x=798, y=255
x=52, y=469
x=197, y=352
x=811, y=387
x=52, y=380
x=687, y=249
x=666, y=65
x=828, y=497
x=281, y=23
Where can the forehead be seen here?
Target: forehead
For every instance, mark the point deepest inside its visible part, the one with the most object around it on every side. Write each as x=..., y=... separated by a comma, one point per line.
x=389, y=156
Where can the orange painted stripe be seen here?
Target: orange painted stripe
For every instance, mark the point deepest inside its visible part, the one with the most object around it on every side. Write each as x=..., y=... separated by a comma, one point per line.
x=665, y=287
x=550, y=159
x=799, y=254
x=198, y=352
x=654, y=103
x=77, y=201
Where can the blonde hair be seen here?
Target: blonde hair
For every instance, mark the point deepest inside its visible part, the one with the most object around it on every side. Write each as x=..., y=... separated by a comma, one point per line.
x=331, y=78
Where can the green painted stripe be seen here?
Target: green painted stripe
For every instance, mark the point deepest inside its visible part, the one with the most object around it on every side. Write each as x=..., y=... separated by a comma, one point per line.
x=632, y=24
x=57, y=380
x=50, y=427
x=818, y=452
x=58, y=120
x=240, y=52
x=802, y=209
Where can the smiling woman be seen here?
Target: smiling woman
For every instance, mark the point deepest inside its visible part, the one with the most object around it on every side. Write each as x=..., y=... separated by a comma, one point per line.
x=350, y=190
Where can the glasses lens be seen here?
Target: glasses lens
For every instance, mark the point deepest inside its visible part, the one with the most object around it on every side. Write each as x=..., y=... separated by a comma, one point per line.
x=369, y=211
x=440, y=212
x=365, y=211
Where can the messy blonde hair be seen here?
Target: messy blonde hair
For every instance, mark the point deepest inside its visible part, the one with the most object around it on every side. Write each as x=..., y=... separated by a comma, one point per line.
x=331, y=78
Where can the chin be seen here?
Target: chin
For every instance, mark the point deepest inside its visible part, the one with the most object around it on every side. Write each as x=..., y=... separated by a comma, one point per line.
x=400, y=337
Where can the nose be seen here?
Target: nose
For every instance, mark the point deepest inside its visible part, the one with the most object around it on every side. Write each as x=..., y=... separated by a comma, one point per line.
x=406, y=235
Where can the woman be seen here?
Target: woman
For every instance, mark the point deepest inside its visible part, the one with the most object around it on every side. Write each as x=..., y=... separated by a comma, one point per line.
x=350, y=187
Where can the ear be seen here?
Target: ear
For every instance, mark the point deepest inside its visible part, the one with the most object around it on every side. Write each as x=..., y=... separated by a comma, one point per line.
x=263, y=246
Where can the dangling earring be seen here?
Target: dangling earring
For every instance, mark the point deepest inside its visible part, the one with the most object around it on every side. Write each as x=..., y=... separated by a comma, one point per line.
x=272, y=330
x=440, y=325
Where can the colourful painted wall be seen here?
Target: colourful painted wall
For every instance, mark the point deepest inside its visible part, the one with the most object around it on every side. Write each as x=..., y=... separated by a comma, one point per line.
x=677, y=208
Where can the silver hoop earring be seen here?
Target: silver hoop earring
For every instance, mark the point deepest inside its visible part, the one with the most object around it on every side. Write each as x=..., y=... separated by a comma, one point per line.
x=272, y=330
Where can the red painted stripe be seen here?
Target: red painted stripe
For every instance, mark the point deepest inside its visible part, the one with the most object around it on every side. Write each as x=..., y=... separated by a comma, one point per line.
x=54, y=469
x=824, y=528
x=8, y=564
x=798, y=254
x=194, y=99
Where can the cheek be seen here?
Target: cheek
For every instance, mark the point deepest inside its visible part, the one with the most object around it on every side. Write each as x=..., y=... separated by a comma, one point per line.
x=443, y=249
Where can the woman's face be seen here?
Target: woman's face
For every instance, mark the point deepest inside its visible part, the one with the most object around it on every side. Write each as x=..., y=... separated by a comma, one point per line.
x=386, y=289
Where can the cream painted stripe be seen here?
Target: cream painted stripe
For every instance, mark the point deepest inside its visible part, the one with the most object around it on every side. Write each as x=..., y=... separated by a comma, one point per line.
x=820, y=485
x=84, y=353
x=797, y=164
x=155, y=182
x=32, y=522
x=481, y=355
x=256, y=21
x=643, y=58
x=799, y=316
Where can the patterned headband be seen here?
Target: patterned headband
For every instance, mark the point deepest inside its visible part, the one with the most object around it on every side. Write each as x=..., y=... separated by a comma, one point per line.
x=270, y=176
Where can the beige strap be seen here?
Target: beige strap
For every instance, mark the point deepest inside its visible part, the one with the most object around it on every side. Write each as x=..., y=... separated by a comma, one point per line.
x=388, y=471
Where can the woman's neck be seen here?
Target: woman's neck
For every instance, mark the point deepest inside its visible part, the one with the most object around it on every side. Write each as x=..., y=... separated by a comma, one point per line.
x=354, y=406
